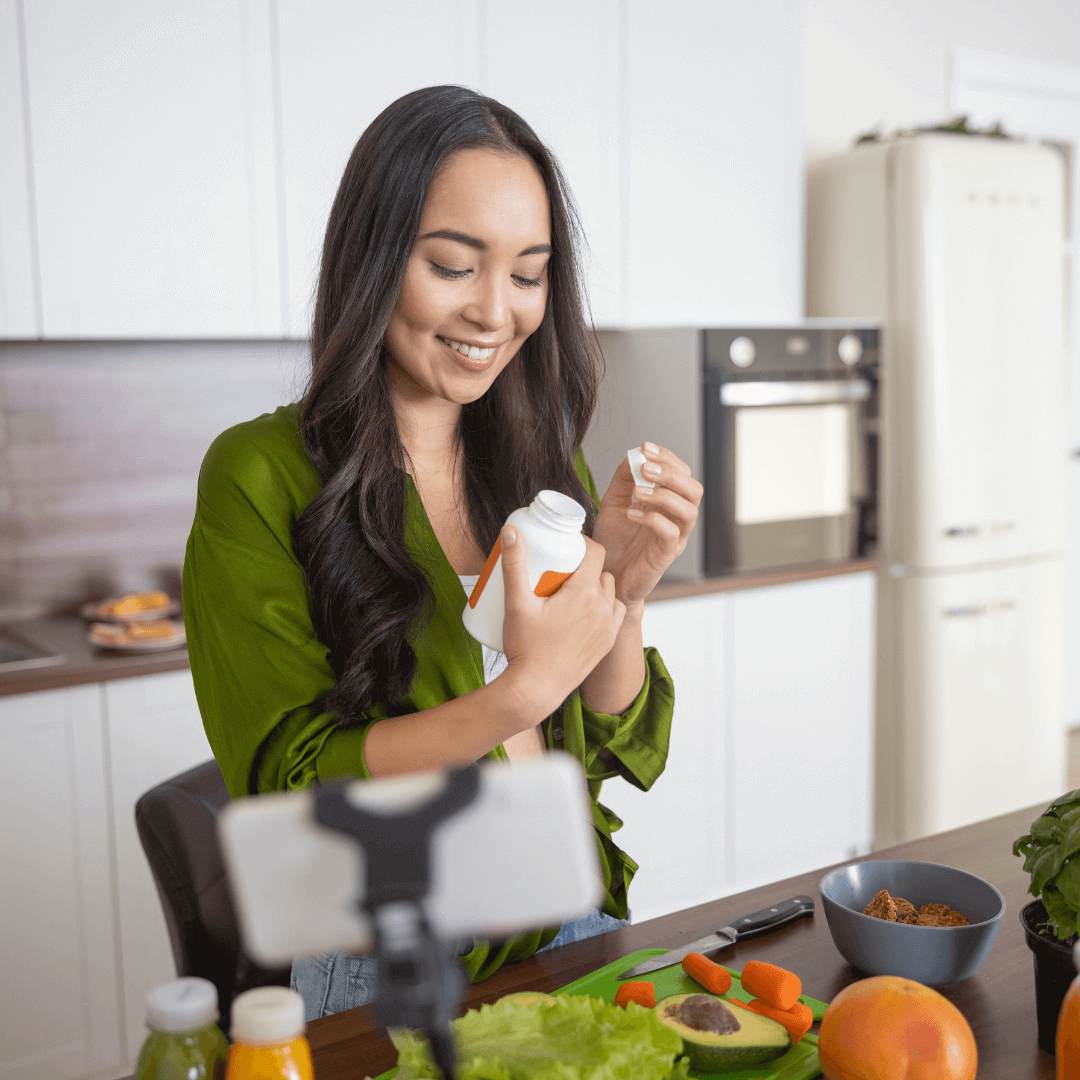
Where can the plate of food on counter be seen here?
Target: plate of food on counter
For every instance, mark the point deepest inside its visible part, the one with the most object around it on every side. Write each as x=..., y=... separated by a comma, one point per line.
x=147, y=635
x=132, y=608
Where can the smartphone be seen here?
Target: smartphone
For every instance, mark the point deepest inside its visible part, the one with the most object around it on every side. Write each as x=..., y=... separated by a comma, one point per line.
x=521, y=856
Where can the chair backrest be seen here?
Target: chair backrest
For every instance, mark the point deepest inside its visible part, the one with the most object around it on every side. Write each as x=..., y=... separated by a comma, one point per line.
x=177, y=823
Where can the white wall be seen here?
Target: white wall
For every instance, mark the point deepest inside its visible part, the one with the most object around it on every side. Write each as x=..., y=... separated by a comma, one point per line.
x=886, y=62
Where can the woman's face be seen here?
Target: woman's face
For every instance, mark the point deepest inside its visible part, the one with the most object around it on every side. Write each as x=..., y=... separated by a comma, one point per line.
x=476, y=282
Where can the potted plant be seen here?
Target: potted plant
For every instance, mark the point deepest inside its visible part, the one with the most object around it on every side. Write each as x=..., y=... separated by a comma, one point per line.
x=1051, y=853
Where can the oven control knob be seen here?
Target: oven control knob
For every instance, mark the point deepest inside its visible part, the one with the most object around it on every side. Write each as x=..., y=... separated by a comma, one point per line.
x=850, y=349
x=742, y=352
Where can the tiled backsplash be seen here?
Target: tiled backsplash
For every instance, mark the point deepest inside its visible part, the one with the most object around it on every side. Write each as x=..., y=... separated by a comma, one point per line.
x=100, y=447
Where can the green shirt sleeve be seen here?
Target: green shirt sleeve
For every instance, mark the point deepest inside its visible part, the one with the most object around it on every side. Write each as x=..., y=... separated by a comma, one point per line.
x=633, y=745
x=257, y=665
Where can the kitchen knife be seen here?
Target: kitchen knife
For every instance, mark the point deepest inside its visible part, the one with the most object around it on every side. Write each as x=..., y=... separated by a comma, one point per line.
x=749, y=926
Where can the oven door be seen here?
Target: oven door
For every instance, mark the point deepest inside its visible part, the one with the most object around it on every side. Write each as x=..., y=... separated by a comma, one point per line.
x=784, y=471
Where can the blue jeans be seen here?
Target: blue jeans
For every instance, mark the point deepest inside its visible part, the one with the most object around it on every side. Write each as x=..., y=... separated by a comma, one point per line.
x=333, y=982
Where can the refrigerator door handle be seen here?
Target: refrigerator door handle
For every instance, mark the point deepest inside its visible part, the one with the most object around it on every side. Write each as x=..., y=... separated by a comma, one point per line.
x=967, y=611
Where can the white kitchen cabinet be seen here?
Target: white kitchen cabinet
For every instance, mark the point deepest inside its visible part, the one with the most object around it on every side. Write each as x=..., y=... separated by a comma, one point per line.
x=678, y=128
x=341, y=63
x=798, y=687
x=155, y=731
x=675, y=831
x=770, y=766
x=170, y=169
x=557, y=65
x=154, y=168
x=19, y=294
x=85, y=938
x=59, y=957
x=711, y=166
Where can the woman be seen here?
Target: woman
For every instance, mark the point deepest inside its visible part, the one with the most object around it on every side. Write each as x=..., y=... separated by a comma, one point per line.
x=334, y=540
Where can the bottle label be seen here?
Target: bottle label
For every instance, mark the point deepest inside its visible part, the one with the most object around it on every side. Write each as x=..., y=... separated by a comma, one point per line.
x=550, y=581
x=492, y=559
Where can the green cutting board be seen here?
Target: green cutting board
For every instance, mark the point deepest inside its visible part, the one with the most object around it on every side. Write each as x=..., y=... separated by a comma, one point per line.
x=799, y=1063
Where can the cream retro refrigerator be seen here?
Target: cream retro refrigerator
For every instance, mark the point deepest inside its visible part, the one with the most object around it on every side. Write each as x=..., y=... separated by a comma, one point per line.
x=955, y=244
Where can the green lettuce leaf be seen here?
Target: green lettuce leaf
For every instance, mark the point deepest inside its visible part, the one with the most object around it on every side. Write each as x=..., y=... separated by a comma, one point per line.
x=560, y=1038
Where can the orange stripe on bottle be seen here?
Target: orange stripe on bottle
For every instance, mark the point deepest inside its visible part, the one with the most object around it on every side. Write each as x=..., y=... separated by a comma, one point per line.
x=492, y=559
x=549, y=583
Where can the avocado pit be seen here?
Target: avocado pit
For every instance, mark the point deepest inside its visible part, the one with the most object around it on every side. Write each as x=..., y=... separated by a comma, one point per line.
x=704, y=1014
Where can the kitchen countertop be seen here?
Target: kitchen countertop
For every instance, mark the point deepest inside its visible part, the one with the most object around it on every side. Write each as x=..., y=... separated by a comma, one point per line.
x=998, y=1001
x=85, y=663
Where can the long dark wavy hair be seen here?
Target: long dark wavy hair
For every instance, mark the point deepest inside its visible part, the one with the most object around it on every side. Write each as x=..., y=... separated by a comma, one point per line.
x=521, y=436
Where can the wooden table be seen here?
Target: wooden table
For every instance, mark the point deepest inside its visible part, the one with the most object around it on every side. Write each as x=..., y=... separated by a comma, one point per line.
x=998, y=1001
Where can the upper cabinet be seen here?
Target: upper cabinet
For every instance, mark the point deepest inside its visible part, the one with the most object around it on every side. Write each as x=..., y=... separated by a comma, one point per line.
x=172, y=167
x=20, y=295
x=153, y=162
x=557, y=65
x=711, y=166
x=341, y=63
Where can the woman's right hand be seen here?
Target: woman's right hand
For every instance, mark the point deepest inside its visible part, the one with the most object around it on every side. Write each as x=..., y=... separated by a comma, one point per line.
x=553, y=642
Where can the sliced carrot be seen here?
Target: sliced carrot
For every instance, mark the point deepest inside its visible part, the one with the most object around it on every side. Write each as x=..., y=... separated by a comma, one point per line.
x=774, y=985
x=797, y=1019
x=702, y=970
x=641, y=991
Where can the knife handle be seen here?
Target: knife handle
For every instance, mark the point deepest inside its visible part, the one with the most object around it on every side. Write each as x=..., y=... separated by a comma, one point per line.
x=772, y=918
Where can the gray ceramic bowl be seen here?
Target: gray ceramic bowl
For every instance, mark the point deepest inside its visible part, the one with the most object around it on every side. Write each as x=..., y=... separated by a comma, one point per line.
x=932, y=955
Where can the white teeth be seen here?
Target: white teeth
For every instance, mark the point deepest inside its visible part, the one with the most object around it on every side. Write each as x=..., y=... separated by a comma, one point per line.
x=471, y=351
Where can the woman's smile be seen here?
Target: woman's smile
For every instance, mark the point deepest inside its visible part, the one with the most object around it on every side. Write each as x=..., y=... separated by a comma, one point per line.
x=475, y=357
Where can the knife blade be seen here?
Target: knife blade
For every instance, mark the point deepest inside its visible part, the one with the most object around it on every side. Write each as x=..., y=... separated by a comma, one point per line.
x=754, y=925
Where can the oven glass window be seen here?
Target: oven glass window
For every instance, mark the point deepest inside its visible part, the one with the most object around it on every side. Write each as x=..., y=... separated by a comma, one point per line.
x=792, y=461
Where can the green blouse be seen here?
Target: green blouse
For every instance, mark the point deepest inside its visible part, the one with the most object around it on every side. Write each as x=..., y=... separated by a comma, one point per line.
x=259, y=668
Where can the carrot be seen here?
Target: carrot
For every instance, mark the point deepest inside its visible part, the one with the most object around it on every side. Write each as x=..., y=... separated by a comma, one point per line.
x=774, y=985
x=797, y=1019
x=644, y=993
x=702, y=970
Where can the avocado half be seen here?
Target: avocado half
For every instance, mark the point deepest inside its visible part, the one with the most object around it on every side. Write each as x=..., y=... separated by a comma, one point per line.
x=717, y=1038
x=524, y=997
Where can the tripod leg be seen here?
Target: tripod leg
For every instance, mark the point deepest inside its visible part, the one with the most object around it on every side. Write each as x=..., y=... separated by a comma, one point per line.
x=442, y=1050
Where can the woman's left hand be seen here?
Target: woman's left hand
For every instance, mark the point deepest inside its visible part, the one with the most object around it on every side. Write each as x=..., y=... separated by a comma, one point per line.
x=643, y=540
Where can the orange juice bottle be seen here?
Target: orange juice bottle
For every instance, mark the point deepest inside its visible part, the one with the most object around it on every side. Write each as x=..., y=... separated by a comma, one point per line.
x=1068, y=1028
x=268, y=1036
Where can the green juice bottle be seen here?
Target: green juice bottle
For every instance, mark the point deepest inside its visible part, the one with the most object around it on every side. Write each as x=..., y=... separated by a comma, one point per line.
x=185, y=1042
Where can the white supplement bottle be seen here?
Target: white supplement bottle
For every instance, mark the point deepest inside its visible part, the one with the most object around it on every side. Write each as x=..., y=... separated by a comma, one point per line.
x=551, y=528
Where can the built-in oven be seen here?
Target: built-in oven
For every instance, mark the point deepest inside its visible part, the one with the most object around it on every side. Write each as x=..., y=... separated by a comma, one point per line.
x=790, y=455
x=780, y=424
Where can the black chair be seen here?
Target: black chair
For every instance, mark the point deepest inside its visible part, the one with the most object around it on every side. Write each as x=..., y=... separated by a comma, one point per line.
x=177, y=823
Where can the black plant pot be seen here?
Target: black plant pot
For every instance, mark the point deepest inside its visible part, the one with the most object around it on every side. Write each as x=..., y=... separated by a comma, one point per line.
x=1054, y=971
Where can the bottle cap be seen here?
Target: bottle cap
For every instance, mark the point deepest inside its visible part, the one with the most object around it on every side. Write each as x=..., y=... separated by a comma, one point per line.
x=267, y=1015
x=637, y=459
x=182, y=1005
